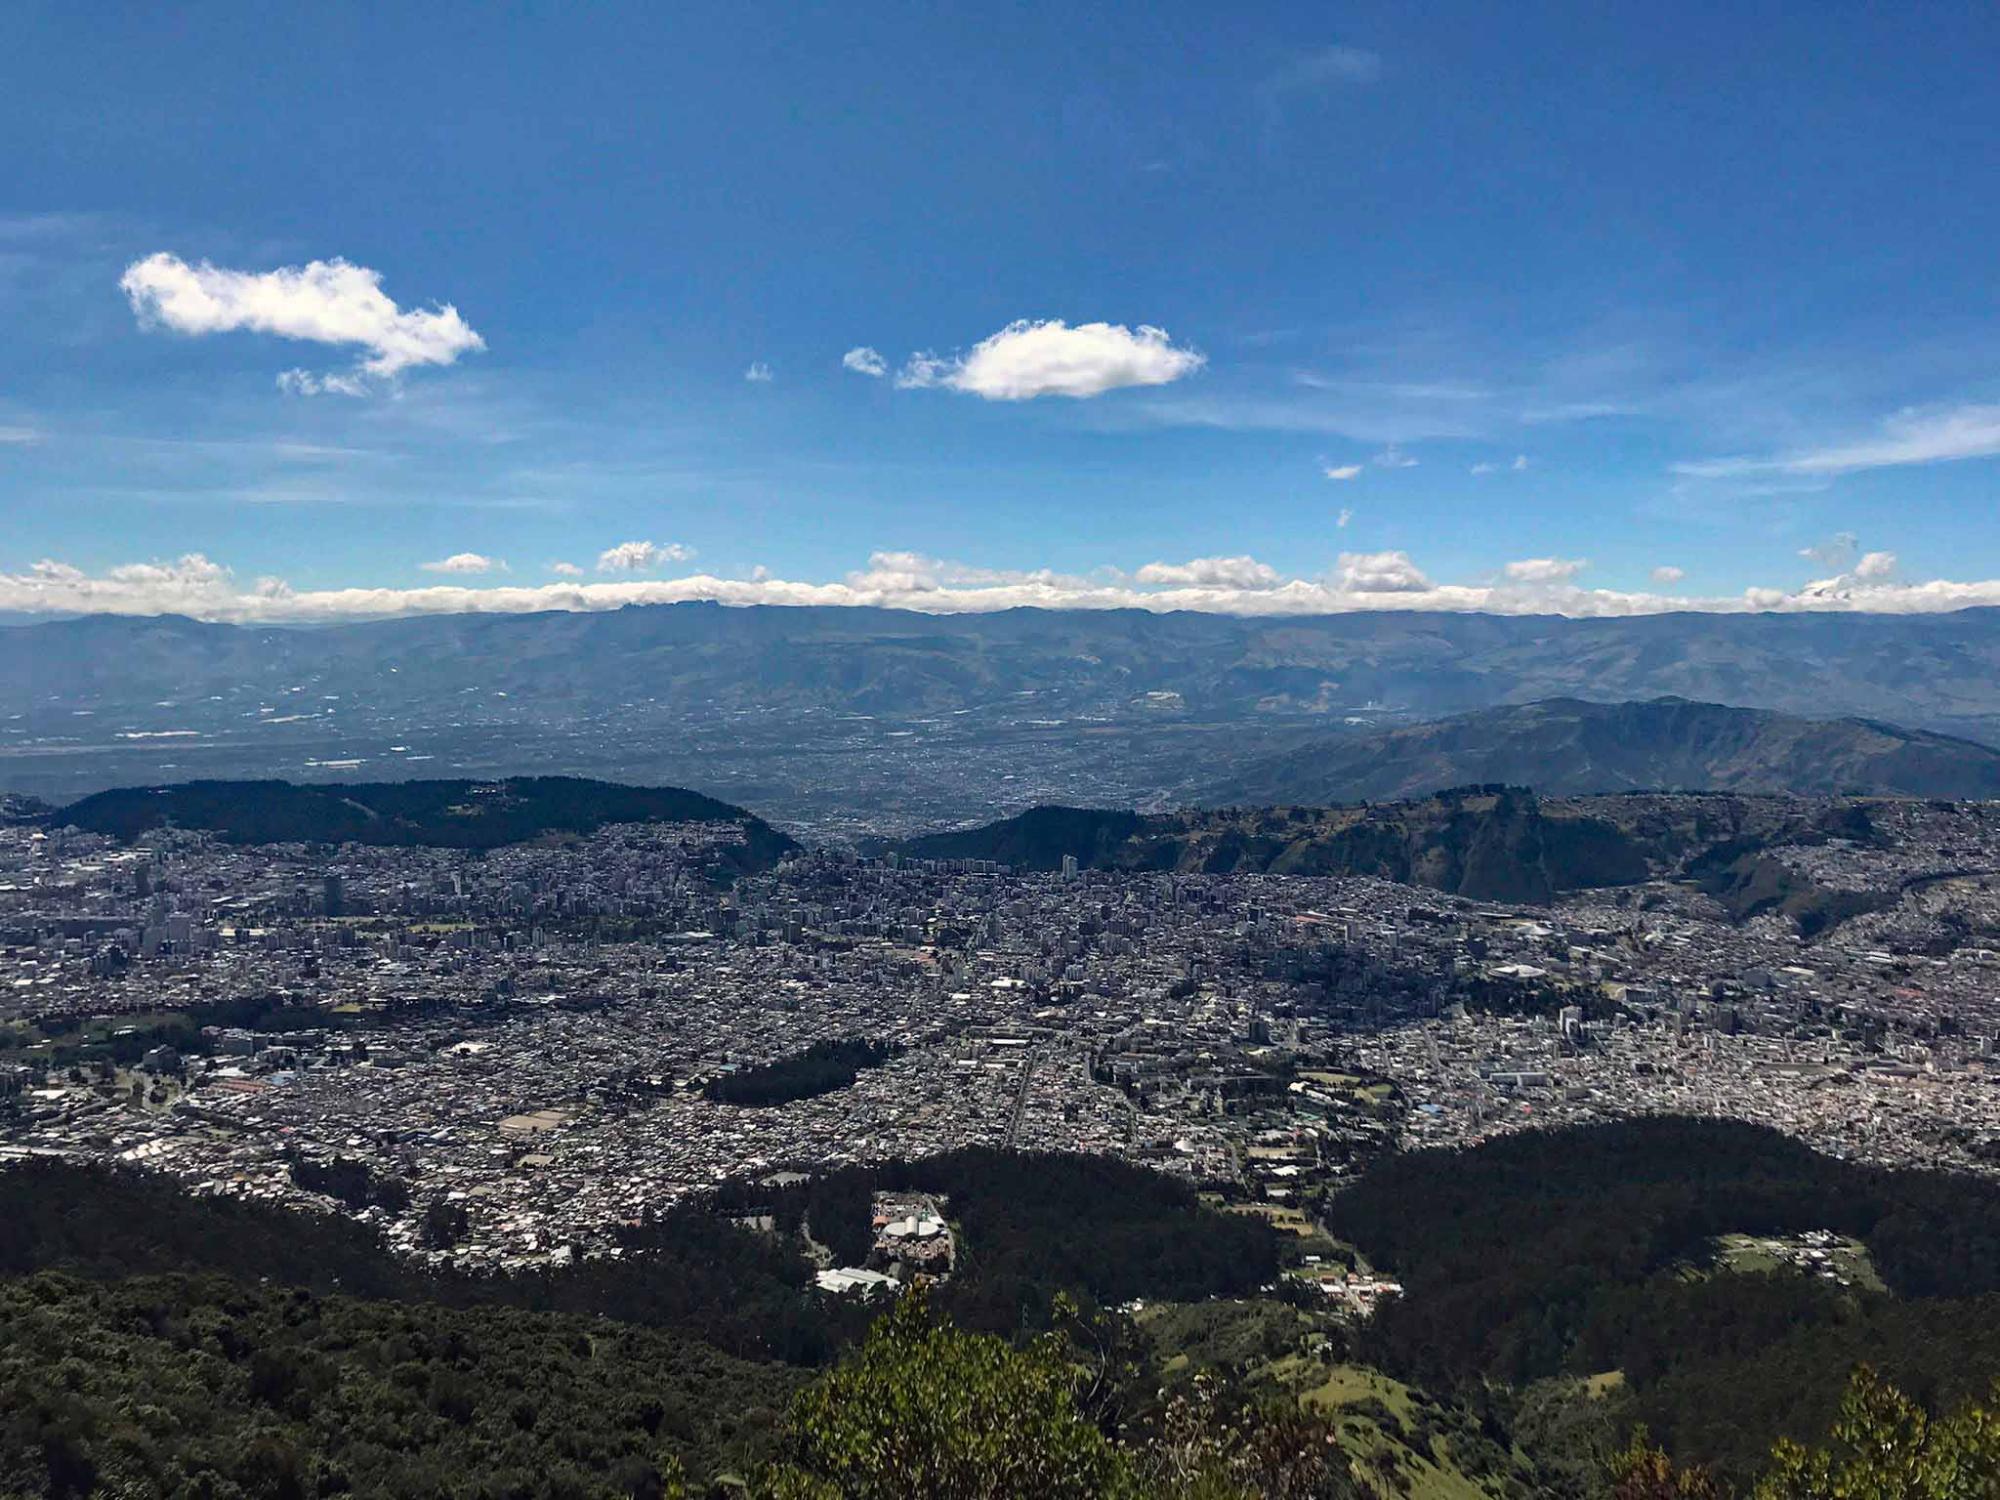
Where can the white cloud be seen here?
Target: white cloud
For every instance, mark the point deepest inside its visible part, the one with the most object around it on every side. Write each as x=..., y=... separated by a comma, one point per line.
x=638, y=557
x=195, y=586
x=1667, y=575
x=464, y=562
x=1917, y=436
x=1026, y=359
x=1520, y=463
x=1379, y=573
x=21, y=435
x=1546, y=569
x=1212, y=573
x=1483, y=468
x=565, y=570
x=1344, y=472
x=899, y=573
x=1875, y=565
x=863, y=360
x=190, y=585
x=323, y=301
x=1393, y=457
x=759, y=373
x=1346, y=514
x=192, y=571
x=1518, y=466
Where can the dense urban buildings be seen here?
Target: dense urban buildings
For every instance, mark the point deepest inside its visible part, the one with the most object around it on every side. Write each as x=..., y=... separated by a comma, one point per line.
x=504, y=1056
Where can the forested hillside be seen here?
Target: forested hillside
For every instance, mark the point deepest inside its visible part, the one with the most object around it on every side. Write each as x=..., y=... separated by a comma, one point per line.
x=1570, y=1253
x=151, y=1342
x=176, y=1385
x=438, y=814
x=1487, y=842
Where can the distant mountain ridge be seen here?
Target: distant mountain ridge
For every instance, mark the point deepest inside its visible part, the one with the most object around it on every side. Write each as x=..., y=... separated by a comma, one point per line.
x=1938, y=671
x=1570, y=747
x=438, y=814
x=875, y=720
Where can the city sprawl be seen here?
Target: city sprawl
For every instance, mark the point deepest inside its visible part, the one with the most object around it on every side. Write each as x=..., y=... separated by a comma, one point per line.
x=524, y=1044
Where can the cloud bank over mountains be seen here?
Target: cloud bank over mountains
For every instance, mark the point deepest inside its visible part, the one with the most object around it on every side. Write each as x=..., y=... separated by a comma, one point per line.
x=196, y=586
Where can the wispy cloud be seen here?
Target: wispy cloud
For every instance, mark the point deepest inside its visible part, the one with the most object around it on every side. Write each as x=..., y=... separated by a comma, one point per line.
x=47, y=226
x=1835, y=552
x=1324, y=68
x=1398, y=390
x=1310, y=76
x=759, y=373
x=1926, y=436
x=1344, y=472
x=863, y=360
x=305, y=383
x=1545, y=569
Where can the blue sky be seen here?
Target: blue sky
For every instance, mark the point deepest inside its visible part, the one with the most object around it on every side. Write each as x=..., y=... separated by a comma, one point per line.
x=1593, y=291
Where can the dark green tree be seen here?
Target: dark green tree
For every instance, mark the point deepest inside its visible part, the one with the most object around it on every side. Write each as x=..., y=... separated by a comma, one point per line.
x=925, y=1410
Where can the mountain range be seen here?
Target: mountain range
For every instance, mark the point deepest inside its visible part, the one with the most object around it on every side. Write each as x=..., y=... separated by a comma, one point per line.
x=1931, y=671
x=888, y=722
x=1565, y=746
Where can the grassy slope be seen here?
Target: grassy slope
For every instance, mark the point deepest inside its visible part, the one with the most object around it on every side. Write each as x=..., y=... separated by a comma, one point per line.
x=1400, y=1439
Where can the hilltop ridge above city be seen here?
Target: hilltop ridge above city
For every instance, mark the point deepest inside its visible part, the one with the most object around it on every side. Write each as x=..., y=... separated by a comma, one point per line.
x=1567, y=746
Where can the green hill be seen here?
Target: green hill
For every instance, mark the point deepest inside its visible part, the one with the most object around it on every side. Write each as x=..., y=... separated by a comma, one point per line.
x=1485, y=842
x=1557, y=1254
x=1039, y=838
x=437, y=814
